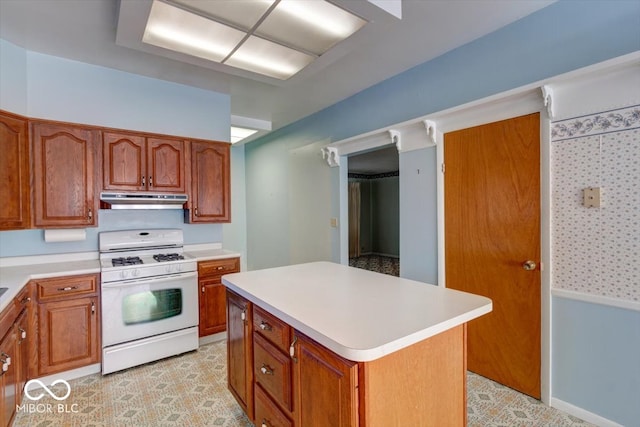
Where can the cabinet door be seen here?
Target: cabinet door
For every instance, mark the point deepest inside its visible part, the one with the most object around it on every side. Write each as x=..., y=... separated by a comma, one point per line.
x=14, y=173
x=8, y=378
x=240, y=351
x=210, y=183
x=64, y=171
x=165, y=165
x=22, y=354
x=213, y=313
x=124, y=162
x=326, y=385
x=68, y=334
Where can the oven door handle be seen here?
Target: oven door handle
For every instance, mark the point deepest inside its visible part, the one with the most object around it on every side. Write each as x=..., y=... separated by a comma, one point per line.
x=154, y=280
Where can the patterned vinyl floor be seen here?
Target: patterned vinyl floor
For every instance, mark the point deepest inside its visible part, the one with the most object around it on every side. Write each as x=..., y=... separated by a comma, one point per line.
x=379, y=263
x=190, y=390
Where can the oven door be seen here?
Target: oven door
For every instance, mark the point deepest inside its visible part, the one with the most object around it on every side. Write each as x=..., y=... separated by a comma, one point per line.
x=141, y=308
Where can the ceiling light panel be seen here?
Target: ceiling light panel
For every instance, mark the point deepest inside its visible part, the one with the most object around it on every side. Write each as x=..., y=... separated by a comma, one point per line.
x=271, y=59
x=172, y=28
x=314, y=26
x=240, y=13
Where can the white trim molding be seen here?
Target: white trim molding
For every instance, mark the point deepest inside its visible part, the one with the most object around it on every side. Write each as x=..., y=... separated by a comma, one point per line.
x=583, y=414
x=330, y=154
x=547, y=96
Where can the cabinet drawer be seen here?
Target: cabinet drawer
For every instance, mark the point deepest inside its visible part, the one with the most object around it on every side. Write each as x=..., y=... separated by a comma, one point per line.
x=69, y=286
x=267, y=413
x=272, y=370
x=218, y=266
x=272, y=328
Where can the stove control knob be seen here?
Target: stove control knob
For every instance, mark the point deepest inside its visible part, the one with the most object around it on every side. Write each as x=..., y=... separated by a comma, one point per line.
x=178, y=268
x=135, y=273
x=124, y=274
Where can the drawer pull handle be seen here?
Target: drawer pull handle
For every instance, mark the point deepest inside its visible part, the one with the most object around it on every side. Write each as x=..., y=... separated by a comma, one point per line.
x=68, y=288
x=265, y=326
x=266, y=370
x=220, y=267
x=25, y=300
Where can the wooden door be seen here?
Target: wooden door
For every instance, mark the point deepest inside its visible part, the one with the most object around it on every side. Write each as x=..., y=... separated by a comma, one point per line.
x=68, y=334
x=14, y=173
x=22, y=354
x=492, y=226
x=124, y=162
x=326, y=387
x=213, y=313
x=210, y=187
x=165, y=165
x=65, y=174
x=8, y=379
x=240, y=351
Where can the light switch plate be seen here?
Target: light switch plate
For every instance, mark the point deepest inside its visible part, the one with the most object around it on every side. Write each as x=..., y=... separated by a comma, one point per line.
x=591, y=197
x=334, y=222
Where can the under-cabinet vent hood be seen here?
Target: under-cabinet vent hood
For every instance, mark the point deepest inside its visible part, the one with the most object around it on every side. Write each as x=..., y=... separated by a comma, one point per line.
x=143, y=200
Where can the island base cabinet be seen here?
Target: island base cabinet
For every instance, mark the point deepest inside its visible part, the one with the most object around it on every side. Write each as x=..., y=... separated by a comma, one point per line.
x=240, y=351
x=327, y=387
x=420, y=385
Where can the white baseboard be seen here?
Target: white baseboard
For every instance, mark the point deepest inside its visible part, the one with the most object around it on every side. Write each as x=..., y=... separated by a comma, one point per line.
x=582, y=413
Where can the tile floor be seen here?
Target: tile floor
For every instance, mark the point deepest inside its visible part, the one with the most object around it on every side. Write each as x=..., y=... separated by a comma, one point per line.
x=191, y=390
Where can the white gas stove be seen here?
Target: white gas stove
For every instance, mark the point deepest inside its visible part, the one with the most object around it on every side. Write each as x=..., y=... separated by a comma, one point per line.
x=149, y=297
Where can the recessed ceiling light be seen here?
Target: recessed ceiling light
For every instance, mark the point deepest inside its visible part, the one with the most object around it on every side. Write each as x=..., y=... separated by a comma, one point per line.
x=238, y=133
x=276, y=38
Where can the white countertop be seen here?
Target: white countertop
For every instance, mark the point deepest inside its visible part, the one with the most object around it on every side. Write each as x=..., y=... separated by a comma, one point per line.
x=16, y=272
x=358, y=314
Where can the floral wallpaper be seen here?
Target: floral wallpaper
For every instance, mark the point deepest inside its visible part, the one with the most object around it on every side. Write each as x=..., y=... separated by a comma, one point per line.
x=597, y=250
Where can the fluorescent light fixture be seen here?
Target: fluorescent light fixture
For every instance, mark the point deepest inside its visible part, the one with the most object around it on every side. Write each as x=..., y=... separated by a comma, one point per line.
x=251, y=35
x=238, y=133
x=175, y=29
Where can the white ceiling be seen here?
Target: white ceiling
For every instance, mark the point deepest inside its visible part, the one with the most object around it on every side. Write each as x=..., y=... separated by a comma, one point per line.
x=103, y=32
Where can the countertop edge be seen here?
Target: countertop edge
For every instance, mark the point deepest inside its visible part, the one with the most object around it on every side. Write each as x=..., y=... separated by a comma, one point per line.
x=363, y=355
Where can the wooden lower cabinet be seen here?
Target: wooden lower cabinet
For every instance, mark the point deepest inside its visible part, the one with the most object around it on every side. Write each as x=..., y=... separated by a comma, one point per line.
x=305, y=384
x=8, y=377
x=68, y=323
x=327, y=387
x=211, y=299
x=240, y=351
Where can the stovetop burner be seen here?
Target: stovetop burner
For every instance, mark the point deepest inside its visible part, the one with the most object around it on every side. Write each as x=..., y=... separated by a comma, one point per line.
x=132, y=260
x=168, y=257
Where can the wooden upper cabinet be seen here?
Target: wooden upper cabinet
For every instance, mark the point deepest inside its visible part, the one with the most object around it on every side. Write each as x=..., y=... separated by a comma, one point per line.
x=137, y=163
x=210, y=199
x=124, y=162
x=14, y=172
x=166, y=165
x=65, y=171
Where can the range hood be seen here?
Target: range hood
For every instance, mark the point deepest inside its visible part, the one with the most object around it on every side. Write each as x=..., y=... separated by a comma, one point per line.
x=143, y=200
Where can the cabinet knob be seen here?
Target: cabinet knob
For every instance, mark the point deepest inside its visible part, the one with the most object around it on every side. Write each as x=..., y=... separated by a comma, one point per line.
x=150, y=181
x=25, y=300
x=243, y=315
x=264, y=423
x=67, y=288
x=93, y=307
x=292, y=349
x=90, y=215
x=265, y=326
x=23, y=333
x=196, y=211
x=5, y=358
x=266, y=370
x=144, y=181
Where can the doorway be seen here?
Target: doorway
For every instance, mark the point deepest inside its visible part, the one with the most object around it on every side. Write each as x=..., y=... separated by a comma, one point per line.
x=492, y=244
x=374, y=211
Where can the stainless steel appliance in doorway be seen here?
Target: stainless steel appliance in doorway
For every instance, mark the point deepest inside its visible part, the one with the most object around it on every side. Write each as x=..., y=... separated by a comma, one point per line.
x=149, y=297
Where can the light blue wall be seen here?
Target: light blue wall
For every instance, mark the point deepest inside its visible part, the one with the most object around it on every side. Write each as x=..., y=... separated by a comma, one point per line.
x=596, y=358
x=235, y=233
x=13, y=78
x=418, y=216
x=385, y=216
x=59, y=89
x=562, y=37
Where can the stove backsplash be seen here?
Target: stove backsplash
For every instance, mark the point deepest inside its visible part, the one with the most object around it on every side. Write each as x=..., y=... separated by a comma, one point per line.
x=31, y=242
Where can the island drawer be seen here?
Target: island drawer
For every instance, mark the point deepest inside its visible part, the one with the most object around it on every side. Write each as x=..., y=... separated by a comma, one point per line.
x=272, y=370
x=267, y=413
x=272, y=328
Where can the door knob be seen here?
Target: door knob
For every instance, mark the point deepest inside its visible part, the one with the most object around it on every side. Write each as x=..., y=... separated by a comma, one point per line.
x=529, y=265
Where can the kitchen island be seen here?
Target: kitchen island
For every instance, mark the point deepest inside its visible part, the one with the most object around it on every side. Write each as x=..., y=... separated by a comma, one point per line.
x=322, y=344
